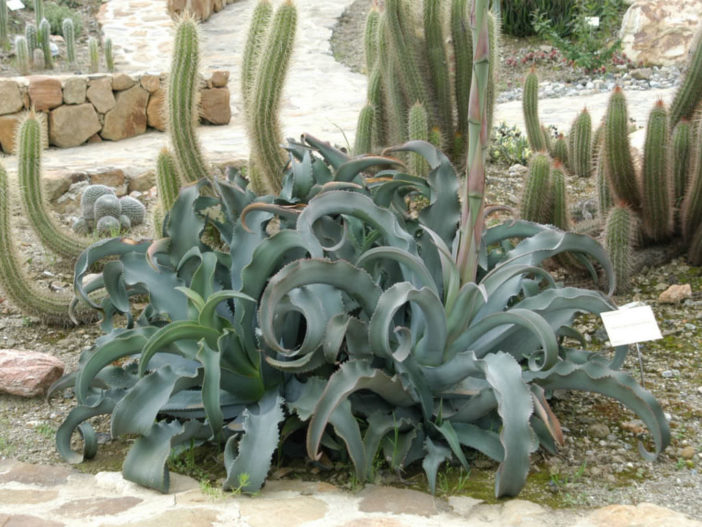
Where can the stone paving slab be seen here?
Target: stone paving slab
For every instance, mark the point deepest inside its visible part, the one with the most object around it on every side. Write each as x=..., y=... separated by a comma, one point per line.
x=106, y=500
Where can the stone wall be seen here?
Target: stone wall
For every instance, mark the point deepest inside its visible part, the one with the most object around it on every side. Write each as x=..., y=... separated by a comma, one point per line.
x=202, y=9
x=93, y=108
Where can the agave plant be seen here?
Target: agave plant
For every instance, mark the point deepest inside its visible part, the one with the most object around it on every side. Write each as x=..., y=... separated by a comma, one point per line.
x=336, y=306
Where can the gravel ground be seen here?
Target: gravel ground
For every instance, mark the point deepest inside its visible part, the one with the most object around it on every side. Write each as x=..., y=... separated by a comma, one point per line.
x=599, y=463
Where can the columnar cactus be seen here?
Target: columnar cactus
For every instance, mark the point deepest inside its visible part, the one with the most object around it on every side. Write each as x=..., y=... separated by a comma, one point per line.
x=559, y=201
x=38, y=12
x=94, y=55
x=395, y=104
x=691, y=212
x=38, y=60
x=267, y=136
x=182, y=101
x=69, y=36
x=438, y=70
x=463, y=61
x=30, y=33
x=581, y=155
x=50, y=308
x=22, y=55
x=364, y=131
x=29, y=173
x=560, y=150
x=418, y=130
x=109, y=59
x=657, y=210
x=370, y=38
x=604, y=193
x=681, y=154
x=260, y=22
x=620, y=232
x=376, y=99
x=530, y=106
x=694, y=252
x=167, y=179
x=44, y=33
x=4, y=40
x=688, y=95
x=619, y=163
x=536, y=200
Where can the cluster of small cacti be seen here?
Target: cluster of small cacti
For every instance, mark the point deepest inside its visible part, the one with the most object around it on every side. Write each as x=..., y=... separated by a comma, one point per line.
x=421, y=52
x=654, y=204
x=105, y=214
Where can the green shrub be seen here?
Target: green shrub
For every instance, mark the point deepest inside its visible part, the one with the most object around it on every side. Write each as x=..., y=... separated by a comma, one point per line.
x=509, y=145
x=55, y=14
x=517, y=15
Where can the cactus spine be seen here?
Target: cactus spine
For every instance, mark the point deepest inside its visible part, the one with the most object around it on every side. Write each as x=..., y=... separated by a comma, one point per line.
x=681, y=152
x=182, y=101
x=269, y=157
x=260, y=22
x=656, y=205
x=29, y=173
x=438, y=70
x=582, y=144
x=109, y=59
x=418, y=130
x=536, y=202
x=620, y=232
x=70, y=38
x=691, y=212
x=530, y=106
x=22, y=53
x=94, y=55
x=463, y=58
x=30, y=33
x=52, y=309
x=690, y=91
x=364, y=131
x=619, y=164
x=44, y=32
x=4, y=40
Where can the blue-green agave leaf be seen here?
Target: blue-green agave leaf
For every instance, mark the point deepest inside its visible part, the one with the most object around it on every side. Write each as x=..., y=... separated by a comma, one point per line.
x=414, y=270
x=76, y=419
x=211, y=380
x=482, y=440
x=162, y=338
x=435, y=455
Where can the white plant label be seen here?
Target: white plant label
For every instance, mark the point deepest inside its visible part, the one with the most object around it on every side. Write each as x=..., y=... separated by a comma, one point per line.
x=630, y=325
x=14, y=5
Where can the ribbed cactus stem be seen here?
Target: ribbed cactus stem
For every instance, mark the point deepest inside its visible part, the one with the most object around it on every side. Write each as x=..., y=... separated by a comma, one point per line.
x=604, y=192
x=657, y=207
x=30, y=33
x=559, y=200
x=694, y=252
x=691, y=211
x=376, y=98
x=17, y=286
x=260, y=22
x=690, y=91
x=582, y=144
x=536, y=199
x=438, y=70
x=435, y=136
x=44, y=33
x=182, y=101
x=546, y=134
x=620, y=232
x=409, y=67
x=418, y=130
x=167, y=179
x=22, y=54
x=38, y=61
x=364, y=131
x=29, y=173
x=69, y=36
x=370, y=38
x=560, y=150
x=94, y=55
x=494, y=64
x=395, y=104
x=597, y=145
x=38, y=12
x=4, y=32
x=530, y=107
x=681, y=154
x=109, y=58
x=463, y=58
x=267, y=135
x=619, y=163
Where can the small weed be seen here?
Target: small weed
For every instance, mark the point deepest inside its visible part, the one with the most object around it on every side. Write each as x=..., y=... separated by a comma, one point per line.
x=45, y=430
x=453, y=481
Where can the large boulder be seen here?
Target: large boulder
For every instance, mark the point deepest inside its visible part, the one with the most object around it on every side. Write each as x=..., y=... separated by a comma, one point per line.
x=156, y=110
x=214, y=105
x=72, y=125
x=100, y=94
x=45, y=93
x=660, y=32
x=128, y=117
x=10, y=97
x=28, y=373
x=74, y=89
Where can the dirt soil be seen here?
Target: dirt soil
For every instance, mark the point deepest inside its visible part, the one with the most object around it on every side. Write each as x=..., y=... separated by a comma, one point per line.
x=18, y=19
x=598, y=465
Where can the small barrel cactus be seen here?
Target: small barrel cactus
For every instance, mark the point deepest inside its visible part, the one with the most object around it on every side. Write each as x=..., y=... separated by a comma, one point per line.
x=82, y=226
x=90, y=195
x=133, y=209
x=107, y=205
x=108, y=226
x=125, y=222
